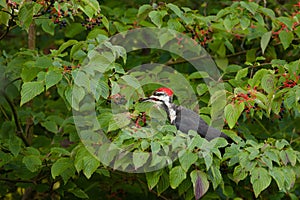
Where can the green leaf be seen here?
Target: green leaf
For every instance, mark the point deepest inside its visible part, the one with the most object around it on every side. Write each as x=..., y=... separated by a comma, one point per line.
x=200, y=183
x=255, y=81
x=279, y=176
x=60, y=151
x=157, y=17
x=61, y=166
x=208, y=159
x=280, y=144
x=5, y=158
x=254, y=152
x=163, y=183
x=144, y=8
x=52, y=78
x=286, y=38
x=268, y=12
x=260, y=180
x=118, y=121
x=175, y=9
x=229, y=23
x=105, y=22
x=241, y=74
x=153, y=178
x=79, y=193
x=175, y=25
x=187, y=159
x=73, y=29
x=273, y=154
x=239, y=174
x=25, y=15
x=14, y=145
x=201, y=89
x=140, y=158
x=29, y=73
x=30, y=90
x=287, y=21
x=86, y=162
x=250, y=6
x=229, y=46
x=184, y=186
x=177, y=175
x=4, y=18
x=216, y=176
x=3, y=4
x=289, y=176
x=50, y=126
x=64, y=46
x=268, y=83
x=90, y=7
x=32, y=162
x=233, y=112
x=265, y=39
x=245, y=22
x=288, y=156
x=43, y=62
x=48, y=26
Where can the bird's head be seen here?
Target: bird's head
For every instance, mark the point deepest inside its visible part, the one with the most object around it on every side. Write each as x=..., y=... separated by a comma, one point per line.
x=163, y=94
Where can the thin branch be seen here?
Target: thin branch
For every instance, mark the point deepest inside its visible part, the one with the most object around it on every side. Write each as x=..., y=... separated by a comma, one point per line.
x=20, y=131
x=5, y=33
x=16, y=180
x=4, y=113
x=262, y=126
x=9, y=23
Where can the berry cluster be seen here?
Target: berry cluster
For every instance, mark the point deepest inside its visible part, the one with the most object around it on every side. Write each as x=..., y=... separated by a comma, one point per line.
x=203, y=36
x=11, y=4
x=91, y=22
x=140, y=120
x=283, y=27
x=56, y=15
x=69, y=68
x=289, y=83
x=248, y=98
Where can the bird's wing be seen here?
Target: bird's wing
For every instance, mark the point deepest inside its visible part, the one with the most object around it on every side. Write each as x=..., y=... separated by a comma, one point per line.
x=189, y=120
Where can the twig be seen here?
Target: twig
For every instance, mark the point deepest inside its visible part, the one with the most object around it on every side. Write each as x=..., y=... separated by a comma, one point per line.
x=20, y=131
x=5, y=33
x=263, y=127
x=16, y=180
x=9, y=23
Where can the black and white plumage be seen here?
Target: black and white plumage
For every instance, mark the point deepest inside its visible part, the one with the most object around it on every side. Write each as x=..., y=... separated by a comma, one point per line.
x=184, y=119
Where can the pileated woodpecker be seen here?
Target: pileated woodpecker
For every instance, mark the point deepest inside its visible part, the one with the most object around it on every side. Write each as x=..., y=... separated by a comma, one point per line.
x=184, y=119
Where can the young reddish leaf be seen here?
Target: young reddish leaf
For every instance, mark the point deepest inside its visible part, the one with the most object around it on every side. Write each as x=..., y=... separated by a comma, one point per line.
x=200, y=183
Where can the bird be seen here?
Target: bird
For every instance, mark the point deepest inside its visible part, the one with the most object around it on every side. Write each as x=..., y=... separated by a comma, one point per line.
x=183, y=118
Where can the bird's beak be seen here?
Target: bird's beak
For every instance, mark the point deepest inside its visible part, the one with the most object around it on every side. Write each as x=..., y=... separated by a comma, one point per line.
x=145, y=99
x=148, y=99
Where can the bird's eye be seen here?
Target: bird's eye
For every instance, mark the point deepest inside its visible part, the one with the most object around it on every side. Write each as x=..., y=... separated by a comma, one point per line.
x=159, y=94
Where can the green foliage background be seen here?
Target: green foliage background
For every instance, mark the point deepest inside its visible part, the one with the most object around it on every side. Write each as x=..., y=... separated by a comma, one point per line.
x=256, y=48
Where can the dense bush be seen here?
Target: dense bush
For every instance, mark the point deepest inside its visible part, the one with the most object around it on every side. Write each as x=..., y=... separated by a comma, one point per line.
x=255, y=47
